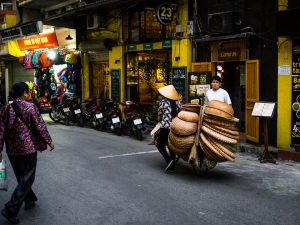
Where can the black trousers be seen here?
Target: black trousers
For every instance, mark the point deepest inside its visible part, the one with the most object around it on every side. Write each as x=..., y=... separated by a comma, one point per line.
x=162, y=142
x=24, y=167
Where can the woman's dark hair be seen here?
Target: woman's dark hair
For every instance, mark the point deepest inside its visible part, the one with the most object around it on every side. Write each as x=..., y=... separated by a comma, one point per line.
x=18, y=89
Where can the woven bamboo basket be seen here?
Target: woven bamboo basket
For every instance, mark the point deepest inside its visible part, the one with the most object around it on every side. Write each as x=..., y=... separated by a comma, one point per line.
x=181, y=142
x=210, y=150
x=188, y=116
x=215, y=145
x=218, y=136
x=222, y=131
x=228, y=124
x=222, y=147
x=219, y=109
x=191, y=107
x=183, y=128
x=172, y=144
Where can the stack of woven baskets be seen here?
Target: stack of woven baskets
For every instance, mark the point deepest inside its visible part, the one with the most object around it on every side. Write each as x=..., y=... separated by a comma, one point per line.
x=219, y=134
x=183, y=131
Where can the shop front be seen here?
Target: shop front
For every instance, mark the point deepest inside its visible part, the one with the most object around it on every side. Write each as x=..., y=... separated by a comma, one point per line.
x=240, y=78
x=49, y=65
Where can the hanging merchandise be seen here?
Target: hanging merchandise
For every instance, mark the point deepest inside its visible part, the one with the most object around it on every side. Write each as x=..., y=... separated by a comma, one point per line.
x=28, y=61
x=46, y=63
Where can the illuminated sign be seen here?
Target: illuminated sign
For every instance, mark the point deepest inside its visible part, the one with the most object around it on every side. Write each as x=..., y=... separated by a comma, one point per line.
x=39, y=41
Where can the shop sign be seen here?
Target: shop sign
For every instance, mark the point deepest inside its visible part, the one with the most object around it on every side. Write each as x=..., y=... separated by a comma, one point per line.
x=226, y=54
x=48, y=40
x=179, y=80
x=165, y=13
x=132, y=47
x=296, y=63
x=167, y=44
x=148, y=46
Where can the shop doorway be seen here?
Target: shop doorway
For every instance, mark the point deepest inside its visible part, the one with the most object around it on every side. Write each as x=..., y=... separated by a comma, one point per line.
x=233, y=81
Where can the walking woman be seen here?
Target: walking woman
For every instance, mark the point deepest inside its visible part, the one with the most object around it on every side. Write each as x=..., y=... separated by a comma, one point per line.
x=169, y=106
x=24, y=132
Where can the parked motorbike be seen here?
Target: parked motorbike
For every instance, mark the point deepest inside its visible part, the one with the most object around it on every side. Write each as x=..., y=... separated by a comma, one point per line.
x=113, y=117
x=93, y=114
x=133, y=119
x=68, y=111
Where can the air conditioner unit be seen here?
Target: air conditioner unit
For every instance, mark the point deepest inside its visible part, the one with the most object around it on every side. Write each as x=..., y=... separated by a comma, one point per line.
x=32, y=28
x=10, y=34
x=24, y=30
x=223, y=22
x=95, y=22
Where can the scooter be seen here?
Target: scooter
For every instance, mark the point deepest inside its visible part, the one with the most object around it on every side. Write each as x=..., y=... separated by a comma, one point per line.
x=113, y=117
x=93, y=114
x=133, y=119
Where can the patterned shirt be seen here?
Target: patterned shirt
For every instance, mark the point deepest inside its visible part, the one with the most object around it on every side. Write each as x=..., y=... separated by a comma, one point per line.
x=164, y=111
x=18, y=139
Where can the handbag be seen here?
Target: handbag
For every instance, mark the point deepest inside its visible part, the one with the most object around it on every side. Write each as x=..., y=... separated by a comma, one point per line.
x=3, y=176
x=41, y=146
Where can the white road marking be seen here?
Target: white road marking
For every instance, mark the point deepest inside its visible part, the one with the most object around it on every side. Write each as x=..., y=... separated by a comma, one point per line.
x=127, y=154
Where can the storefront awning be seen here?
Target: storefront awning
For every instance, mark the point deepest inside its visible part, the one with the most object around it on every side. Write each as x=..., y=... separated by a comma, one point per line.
x=244, y=35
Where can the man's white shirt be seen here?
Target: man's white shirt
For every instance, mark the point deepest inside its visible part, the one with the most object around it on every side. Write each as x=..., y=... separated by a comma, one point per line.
x=220, y=95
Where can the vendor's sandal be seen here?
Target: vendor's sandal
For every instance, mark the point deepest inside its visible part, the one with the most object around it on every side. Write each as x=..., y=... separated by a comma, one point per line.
x=12, y=220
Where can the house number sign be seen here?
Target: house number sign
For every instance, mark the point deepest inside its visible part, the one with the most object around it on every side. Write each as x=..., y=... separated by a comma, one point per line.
x=165, y=13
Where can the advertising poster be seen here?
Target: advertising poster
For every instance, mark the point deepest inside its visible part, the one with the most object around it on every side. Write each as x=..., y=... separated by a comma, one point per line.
x=198, y=85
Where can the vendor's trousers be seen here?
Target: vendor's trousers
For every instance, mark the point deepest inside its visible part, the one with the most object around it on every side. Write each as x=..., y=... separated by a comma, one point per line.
x=162, y=142
x=24, y=167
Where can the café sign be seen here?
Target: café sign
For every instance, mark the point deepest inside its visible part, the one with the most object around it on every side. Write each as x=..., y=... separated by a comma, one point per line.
x=48, y=40
x=225, y=54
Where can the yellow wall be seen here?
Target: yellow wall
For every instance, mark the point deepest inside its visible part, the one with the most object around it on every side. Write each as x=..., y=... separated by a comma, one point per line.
x=183, y=49
x=85, y=76
x=284, y=88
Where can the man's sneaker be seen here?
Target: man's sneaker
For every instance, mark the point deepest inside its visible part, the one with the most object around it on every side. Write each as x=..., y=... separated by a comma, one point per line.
x=171, y=166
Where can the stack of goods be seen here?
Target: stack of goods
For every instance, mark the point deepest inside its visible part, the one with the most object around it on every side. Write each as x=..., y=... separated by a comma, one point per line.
x=219, y=133
x=183, y=131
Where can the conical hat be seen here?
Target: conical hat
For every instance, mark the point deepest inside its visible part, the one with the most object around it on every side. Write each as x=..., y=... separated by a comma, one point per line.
x=169, y=92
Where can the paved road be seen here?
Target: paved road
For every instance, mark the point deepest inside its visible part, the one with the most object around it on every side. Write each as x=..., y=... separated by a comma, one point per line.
x=96, y=178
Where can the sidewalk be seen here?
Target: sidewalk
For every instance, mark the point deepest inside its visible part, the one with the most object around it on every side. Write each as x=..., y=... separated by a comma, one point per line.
x=277, y=153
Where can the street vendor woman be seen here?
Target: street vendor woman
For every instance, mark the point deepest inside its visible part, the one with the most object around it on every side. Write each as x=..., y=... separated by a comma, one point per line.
x=169, y=106
x=217, y=93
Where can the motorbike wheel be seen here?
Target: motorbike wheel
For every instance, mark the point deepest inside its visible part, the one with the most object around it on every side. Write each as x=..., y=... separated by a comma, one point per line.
x=139, y=135
x=80, y=121
x=67, y=121
x=118, y=131
x=52, y=117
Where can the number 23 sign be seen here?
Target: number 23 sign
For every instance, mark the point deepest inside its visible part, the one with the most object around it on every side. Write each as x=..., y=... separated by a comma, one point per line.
x=165, y=13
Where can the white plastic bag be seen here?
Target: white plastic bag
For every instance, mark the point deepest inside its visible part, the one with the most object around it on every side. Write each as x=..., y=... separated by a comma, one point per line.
x=3, y=176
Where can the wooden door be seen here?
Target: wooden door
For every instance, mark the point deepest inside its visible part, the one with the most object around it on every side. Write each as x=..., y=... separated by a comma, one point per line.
x=252, y=96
